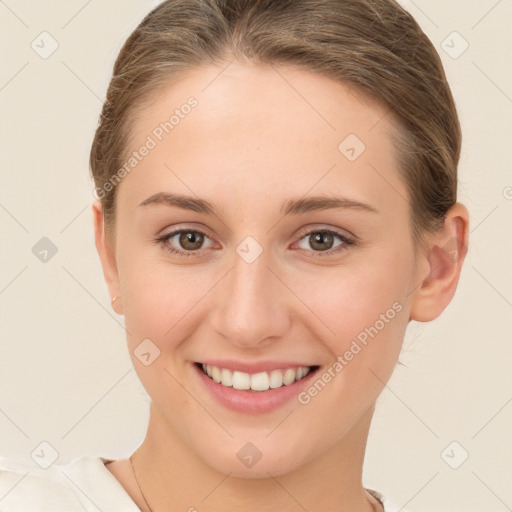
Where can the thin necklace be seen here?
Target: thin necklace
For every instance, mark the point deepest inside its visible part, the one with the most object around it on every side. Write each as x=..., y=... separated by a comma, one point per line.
x=151, y=510
x=136, y=479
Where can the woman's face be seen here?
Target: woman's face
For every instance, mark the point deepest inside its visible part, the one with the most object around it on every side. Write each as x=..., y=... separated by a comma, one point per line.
x=279, y=155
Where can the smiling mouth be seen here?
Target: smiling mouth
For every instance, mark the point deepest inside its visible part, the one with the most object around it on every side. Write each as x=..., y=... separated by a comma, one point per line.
x=262, y=381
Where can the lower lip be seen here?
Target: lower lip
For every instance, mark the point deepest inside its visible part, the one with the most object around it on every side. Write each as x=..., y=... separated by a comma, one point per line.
x=253, y=402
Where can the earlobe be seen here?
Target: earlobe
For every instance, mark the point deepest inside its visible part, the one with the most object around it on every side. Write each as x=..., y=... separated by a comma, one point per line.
x=107, y=257
x=445, y=256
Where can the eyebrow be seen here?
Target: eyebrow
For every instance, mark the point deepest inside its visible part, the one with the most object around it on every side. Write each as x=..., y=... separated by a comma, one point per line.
x=291, y=207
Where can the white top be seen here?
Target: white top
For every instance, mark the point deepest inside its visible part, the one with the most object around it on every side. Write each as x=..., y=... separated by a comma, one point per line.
x=84, y=484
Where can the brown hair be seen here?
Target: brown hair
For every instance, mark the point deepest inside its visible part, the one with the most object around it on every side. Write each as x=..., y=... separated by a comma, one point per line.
x=374, y=45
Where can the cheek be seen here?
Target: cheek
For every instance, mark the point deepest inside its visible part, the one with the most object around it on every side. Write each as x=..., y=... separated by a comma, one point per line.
x=363, y=309
x=368, y=313
x=340, y=304
x=351, y=300
x=159, y=298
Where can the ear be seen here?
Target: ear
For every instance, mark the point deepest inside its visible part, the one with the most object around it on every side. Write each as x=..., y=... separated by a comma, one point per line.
x=441, y=266
x=107, y=257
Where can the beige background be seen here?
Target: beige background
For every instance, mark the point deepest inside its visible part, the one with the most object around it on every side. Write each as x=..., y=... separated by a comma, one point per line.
x=65, y=374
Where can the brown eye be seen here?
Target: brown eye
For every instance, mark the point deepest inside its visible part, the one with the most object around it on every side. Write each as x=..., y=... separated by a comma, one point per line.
x=325, y=242
x=321, y=241
x=191, y=240
x=185, y=242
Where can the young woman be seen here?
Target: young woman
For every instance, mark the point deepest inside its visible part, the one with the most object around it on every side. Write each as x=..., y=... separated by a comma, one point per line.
x=276, y=200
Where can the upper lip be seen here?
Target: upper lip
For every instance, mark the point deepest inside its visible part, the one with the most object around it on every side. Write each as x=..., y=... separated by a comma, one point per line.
x=254, y=366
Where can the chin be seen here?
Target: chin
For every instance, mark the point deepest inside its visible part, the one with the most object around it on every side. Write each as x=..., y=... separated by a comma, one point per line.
x=258, y=460
x=261, y=469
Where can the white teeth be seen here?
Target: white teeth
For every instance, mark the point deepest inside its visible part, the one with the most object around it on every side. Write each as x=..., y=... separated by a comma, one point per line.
x=227, y=377
x=261, y=381
x=302, y=372
x=276, y=379
x=241, y=380
x=289, y=376
x=216, y=374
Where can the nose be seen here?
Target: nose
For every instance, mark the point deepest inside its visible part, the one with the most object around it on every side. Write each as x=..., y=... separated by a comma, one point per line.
x=250, y=306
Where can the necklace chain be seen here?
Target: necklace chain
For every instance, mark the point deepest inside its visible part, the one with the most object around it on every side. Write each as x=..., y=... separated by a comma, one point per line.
x=151, y=510
x=138, y=484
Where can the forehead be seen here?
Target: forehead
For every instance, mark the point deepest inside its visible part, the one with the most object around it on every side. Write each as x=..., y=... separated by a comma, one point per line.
x=263, y=128
x=306, y=103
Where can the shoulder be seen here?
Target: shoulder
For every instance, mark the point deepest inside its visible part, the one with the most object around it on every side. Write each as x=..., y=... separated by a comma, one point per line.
x=387, y=504
x=79, y=485
x=26, y=486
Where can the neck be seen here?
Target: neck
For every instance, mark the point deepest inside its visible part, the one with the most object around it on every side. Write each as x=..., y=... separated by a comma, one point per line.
x=168, y=471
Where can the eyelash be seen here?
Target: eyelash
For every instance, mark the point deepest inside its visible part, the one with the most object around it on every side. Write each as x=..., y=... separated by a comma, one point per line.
x=347, y=242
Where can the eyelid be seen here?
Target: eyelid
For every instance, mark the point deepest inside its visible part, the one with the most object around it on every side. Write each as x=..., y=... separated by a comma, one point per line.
x=183, y=227
x=346, y=242
x=165, y=237
x=314, y=228
x=347, y=239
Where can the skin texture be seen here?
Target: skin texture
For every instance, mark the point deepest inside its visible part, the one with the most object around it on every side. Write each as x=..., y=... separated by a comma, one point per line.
x=259, y=137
